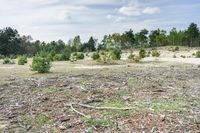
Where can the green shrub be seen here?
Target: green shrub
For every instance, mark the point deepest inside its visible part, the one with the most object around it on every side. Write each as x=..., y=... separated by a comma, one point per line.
x=22, y=60
x=155, y=53
x=95, y=56
x=131, y=56
x=183, y=56
x=50, y=56
x=80, y=56
x=148, y=54
x=116, y=54
x=136, y=59
x=174, y=56
x=176, y=48
x=2, y=57
x=41, y=64
x=13, y=56
x=198, y=54
x=57, y=57
x=61, y=57
x=142, y=53
x=8, y=61
x=73, y=58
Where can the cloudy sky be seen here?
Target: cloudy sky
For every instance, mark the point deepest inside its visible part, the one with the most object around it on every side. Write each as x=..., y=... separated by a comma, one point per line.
x=63, y=19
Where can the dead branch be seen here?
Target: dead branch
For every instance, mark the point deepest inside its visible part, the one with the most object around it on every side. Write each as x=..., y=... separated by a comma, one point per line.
x=82, y=114
x=103, y=108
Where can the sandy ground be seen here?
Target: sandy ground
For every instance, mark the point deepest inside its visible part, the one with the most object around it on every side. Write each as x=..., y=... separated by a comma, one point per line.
x=195, y=61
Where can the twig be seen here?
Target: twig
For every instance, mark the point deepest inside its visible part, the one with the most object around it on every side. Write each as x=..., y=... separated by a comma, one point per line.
x=104, y=108
x=71, y=106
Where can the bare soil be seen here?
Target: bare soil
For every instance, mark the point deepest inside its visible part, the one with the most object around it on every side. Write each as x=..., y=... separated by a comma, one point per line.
x=164, y=97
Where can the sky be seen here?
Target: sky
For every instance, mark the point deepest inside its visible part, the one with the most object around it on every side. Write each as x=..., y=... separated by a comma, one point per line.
x=49, y=20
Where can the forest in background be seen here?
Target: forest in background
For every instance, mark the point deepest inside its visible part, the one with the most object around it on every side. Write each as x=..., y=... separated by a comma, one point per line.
x=13, y=44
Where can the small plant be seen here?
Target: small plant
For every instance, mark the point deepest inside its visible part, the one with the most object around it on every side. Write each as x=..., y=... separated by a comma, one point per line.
x=131, y=56
x=80, y=56
x=97, y=122
x=183, y=56
x=95, y=56
x=41, y=64
x=155, y=53
x=43, y=119
x=13, y=56
x=142, y=53
x=61, y=57
x=198, y=54
x=116, y=54
x=73, y=58
x=2, y=56
x=176, y=48
x=58, y=57
x=149, y=54
x=8, y=61
x=22, y=60
x=174, y=56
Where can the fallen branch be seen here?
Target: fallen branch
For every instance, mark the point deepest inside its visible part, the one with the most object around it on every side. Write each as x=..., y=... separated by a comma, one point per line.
x=103, y=108
x=82, y=114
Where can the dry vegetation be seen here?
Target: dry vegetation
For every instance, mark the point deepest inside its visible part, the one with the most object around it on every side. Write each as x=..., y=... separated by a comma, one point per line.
x=85, y=97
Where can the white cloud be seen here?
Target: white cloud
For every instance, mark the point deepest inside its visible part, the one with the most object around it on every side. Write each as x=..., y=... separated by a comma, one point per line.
x=109, y=16
x=120, y=19
x=130, y=10
x=151, y=10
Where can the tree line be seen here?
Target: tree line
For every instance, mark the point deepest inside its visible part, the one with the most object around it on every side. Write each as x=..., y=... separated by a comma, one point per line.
x=12, y=43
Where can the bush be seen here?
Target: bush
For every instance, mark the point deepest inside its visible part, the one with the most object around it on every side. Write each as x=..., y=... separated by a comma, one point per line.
x=80, y=56
x=13, y=56
x=57, y=57
x=2, y=57
x=41, y=64
x=22, y=60
x=142, y=53
x=73, y=58
x=61, y=57
x=95, y=56
x=155, y=53
x=198, y=54
x=8, y=61
x=116, y=54
x=183, y=56
x=148, y=54
x=136, y=59
x=176, y=48
x=131, y=56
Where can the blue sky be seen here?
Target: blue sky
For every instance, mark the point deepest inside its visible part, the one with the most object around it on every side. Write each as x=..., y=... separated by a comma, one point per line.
x=63, y=19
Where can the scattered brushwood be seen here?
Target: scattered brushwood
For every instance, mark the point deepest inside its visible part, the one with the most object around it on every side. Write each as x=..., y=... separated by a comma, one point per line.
x=130, y=99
